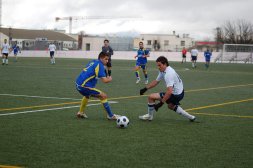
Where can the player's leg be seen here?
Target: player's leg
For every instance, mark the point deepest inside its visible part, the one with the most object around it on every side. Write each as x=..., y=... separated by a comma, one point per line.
x=144, y=69
x=109, y=67
x=151, y=106
x=86, y=94
x=103, y=99
x=51, y=57
x=173, y=104
x=193, y=65
x=6, y=59
x=3, y=59
x=137, y=73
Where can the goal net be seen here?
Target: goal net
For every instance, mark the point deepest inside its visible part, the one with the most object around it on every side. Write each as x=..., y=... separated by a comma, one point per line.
x=236, y=53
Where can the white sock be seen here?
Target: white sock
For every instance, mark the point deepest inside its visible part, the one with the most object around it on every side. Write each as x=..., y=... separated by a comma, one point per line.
x=6, y=61
x=151, y=108
x=53, y=61
x=3, y=60
x=193, y=65
x=184, y=113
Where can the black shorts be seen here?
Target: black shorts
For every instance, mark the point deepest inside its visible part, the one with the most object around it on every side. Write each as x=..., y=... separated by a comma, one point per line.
x=183, y=55
x=5, y=54
x=174, y=99
x=194, y=58
x=51, y=54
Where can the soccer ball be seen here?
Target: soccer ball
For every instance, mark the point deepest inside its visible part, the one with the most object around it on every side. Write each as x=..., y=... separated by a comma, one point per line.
x=122, y=122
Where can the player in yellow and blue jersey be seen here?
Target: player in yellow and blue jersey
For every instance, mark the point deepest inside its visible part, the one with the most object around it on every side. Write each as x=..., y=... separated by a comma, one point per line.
x=141, y=62
x=86, y=82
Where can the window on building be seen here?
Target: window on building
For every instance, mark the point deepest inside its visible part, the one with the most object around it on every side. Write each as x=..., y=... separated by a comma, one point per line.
x=182, y=43
x=149, y=42
x=87, y=46
x=166, y=42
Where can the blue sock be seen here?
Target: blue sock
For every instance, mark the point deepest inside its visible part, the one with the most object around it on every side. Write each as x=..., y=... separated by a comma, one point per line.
x=107, y=107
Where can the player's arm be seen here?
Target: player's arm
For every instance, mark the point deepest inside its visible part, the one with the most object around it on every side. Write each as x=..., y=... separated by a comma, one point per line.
x=149, y=86
x=106, y=79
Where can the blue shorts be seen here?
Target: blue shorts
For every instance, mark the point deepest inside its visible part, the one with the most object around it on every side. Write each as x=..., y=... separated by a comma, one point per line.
x=208, y=59
x=143, y=66
x=174, y=99
x=88, y=92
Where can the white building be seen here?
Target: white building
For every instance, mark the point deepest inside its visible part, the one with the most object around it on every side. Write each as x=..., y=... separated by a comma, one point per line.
x=164, y=42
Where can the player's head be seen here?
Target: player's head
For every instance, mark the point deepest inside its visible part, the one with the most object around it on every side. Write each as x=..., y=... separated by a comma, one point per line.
x=104, y=57
x=106, y=42
x=141, y=44
x=162, y=63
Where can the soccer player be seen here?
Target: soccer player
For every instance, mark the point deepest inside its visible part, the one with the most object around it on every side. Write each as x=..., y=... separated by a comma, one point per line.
x=5, y=51
x=107, y=49
x=194, y=54
x=141, y=62
x=15, y=50
x=184, y=52
x=172, y=96
x=207, y=55
x=86, y=82
x=52, y=49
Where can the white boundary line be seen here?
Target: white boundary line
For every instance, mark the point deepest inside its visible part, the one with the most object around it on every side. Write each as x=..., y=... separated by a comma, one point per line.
x=42, y=97
x=59, y=108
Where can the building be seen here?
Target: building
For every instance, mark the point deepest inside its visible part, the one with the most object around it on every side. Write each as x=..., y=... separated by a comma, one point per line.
x=37, y=39
x=95, y=43
x=164, y=42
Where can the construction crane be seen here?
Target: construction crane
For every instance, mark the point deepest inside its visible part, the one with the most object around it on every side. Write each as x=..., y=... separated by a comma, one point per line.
x=71, y=18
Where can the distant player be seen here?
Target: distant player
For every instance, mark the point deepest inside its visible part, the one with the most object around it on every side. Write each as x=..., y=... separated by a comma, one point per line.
x=15, y=50
x=108, y=49
x=86, y=82
x=194, y=55
x=5, y=52
x=52, y=49
x=207, y=55
x=184, y=52
x=173, y=94
x=141, y=62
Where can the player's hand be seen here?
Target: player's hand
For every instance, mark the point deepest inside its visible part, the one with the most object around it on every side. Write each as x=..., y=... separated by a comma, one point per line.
x=142, y=91
x=158, y=105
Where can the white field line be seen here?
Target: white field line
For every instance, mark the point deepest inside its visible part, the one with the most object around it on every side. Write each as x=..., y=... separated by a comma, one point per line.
x=51, y=109
x=42, y=97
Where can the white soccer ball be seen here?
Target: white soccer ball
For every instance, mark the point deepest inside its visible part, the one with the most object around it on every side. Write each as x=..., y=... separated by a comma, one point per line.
x=122, y=122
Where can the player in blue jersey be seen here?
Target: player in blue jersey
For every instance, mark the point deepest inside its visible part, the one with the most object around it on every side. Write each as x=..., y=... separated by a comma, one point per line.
x=141, y=62
x=207, y=55
x=15, y=50
x=86, y=82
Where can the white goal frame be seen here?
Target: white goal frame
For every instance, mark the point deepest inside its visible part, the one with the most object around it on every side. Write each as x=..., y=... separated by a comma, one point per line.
x=236, y=53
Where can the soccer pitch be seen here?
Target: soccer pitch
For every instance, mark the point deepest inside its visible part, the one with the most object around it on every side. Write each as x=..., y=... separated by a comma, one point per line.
x=38, y=127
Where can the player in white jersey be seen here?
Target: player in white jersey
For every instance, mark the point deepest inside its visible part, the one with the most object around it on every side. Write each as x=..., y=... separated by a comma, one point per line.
x=5, y=51
x=173, y=95
x=194, y=54
x=52, y=49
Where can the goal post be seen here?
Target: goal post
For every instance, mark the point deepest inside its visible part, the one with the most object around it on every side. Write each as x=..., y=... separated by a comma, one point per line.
x=237, y=53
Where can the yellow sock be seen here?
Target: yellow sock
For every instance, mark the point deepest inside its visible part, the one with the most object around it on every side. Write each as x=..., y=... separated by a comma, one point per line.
x=84, y=102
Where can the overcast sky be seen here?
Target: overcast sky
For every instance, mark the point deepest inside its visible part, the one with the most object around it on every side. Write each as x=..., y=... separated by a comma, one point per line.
x=198, y=18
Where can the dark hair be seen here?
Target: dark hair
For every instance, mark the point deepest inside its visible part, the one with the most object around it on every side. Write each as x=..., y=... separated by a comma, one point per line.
x=163, y=60
x=102, y=55
x=106, y=40
x=140, y=42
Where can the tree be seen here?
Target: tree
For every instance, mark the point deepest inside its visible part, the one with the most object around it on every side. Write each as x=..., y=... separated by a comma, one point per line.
x=235, y=32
